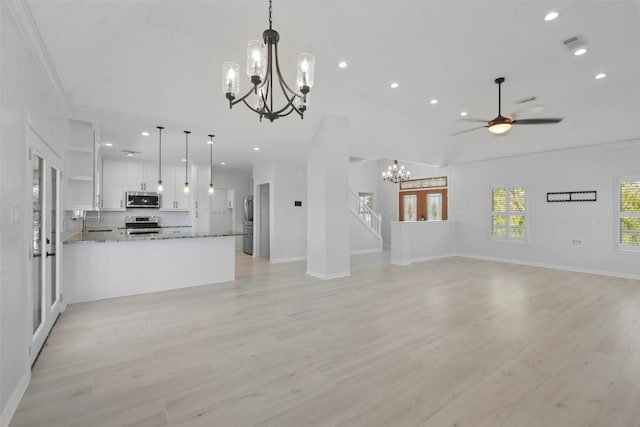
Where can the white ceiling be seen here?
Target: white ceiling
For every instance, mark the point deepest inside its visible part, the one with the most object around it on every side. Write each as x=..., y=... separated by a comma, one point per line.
x=135, y=64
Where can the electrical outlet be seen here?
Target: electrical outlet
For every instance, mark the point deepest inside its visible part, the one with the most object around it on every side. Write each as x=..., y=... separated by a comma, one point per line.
x=576, y=242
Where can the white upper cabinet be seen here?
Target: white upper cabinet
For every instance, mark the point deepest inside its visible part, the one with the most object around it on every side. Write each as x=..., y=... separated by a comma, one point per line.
x=114, y=174
x=201, y=188
x=141, y=177
x=173, y=197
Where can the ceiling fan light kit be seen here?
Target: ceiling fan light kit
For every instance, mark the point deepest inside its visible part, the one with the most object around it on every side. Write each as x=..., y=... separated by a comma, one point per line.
x=502, y=124
x=263, y=69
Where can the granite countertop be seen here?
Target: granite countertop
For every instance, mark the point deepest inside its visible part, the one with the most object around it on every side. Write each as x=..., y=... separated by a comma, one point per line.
x=102, y=237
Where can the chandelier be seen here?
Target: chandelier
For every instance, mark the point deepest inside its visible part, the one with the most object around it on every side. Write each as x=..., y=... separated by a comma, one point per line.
x=395, y=175
x=263, y=68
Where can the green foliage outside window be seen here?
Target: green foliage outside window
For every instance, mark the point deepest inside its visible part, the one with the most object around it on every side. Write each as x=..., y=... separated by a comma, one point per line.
x=630, y=204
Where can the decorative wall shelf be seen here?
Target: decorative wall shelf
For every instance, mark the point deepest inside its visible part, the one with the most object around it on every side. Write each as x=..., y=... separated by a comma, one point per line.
x=572, y=196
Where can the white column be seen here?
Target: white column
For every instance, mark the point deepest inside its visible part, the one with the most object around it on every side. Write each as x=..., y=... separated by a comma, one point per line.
x=328, y=201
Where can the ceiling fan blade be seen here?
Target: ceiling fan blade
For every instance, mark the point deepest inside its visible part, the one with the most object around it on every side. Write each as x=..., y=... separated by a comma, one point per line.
x=536, y=121
x=467, y=130
x=468, y=119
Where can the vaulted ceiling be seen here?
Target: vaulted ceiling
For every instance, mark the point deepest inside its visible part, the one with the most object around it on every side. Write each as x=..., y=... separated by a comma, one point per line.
x=134, y=64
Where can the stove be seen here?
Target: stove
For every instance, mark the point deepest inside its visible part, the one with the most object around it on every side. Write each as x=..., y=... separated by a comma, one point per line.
x=137, y=225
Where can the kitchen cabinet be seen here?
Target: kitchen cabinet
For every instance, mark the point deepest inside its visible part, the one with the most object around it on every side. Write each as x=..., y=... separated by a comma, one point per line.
x=201, y=189
x=81, y=167
x=173, y=197
x=113, y=182
x=141, y=177
x=231, y=196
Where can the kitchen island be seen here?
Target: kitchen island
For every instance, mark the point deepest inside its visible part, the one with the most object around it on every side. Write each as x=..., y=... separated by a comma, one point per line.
x=108, y=265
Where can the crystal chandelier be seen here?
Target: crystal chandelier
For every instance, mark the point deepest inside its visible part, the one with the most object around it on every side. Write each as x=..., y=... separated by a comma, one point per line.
x=263, y=68
x=395, y=175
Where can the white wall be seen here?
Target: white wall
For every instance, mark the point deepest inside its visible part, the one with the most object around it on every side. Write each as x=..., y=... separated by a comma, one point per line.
x=364, y=177
x=552, y=226
x=288, y=223
x=24, y=92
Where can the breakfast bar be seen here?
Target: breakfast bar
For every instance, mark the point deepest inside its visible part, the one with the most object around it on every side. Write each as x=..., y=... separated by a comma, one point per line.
x=115, y=265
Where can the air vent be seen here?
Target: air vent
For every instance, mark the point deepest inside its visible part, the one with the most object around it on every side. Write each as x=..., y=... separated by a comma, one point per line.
x=574, y=43
x=525, y=100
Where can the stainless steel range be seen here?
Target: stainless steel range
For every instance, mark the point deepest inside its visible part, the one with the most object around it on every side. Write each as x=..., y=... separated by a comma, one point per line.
x=142, y=224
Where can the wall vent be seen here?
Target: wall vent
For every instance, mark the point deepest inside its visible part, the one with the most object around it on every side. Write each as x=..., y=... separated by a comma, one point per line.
x=574, y=43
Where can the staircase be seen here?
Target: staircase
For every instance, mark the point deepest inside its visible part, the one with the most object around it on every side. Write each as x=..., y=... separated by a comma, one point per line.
x=370, y=221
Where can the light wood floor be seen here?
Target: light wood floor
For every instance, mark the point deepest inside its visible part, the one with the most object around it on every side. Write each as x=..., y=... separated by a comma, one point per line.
x=455, y=342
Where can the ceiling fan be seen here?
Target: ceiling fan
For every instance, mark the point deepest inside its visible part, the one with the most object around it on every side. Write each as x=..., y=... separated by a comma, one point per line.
x=501, y=123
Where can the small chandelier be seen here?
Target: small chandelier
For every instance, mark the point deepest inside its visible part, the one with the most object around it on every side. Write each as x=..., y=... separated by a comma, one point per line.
x=265, y=79
x=395, y=175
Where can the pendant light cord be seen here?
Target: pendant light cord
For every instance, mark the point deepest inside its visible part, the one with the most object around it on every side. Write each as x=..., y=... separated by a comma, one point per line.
x=211, y=171
x=186, y=157
x=160, y=153
x=270, y=10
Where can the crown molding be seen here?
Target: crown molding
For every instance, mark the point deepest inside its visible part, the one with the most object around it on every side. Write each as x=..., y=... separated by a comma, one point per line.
x=23, y=18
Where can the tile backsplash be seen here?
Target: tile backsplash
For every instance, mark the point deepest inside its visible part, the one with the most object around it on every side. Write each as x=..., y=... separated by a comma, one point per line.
x=113, y=220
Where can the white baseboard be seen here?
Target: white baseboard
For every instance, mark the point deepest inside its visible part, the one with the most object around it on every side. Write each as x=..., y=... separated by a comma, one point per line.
x=14, y=400
x=292, y=259
x=366, y=251
x=429, y=258
x=328, y=276
x=552, y=266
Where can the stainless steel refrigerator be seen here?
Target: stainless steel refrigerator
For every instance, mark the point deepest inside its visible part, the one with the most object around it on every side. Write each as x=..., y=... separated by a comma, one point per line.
x=247, y=225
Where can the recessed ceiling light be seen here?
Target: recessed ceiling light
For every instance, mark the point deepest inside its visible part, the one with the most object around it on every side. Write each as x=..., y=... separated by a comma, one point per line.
x=256, y=148
x=464, y=113
x=209, y=142
x=600, y=76
x=394, y=85
x=223, y=163
x=342, y=64
x=434, y=101
x=129, y=154
x=145, y=133
x=108, y=144
x=183, y=160
x=551, y=16
x=580, y=51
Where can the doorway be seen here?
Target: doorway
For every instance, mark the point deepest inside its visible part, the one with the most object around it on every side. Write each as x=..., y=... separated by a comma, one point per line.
x=45, y=297
x=265, y=234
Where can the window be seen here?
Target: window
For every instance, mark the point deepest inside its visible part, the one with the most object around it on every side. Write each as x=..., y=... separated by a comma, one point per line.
x=508, y=214
x=629, y=214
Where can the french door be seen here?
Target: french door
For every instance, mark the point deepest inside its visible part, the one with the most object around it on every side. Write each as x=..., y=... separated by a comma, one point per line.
x=44, y=197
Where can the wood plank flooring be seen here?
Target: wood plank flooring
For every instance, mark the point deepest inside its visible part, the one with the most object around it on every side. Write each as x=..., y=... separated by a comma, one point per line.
x=453, y=342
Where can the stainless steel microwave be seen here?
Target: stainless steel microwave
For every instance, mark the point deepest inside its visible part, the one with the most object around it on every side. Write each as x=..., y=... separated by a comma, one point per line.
x=142, y=199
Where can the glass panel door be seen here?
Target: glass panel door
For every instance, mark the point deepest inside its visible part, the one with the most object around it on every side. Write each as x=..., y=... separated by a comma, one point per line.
x=36, y=241
x=52, y=239
x=434, y=207
x=410, y=207
x=45, y=299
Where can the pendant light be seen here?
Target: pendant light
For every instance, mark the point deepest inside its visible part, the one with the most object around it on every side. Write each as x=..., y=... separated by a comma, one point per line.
x=160, y=187
x=263, y=68
x=186, y=162
x=395, y=174
x=212, y=189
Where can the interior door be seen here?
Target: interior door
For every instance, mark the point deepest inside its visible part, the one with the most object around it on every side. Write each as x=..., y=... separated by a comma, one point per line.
x=44, y=194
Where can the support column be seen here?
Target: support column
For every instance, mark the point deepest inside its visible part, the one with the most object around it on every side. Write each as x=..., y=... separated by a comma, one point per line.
x=328, y=203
